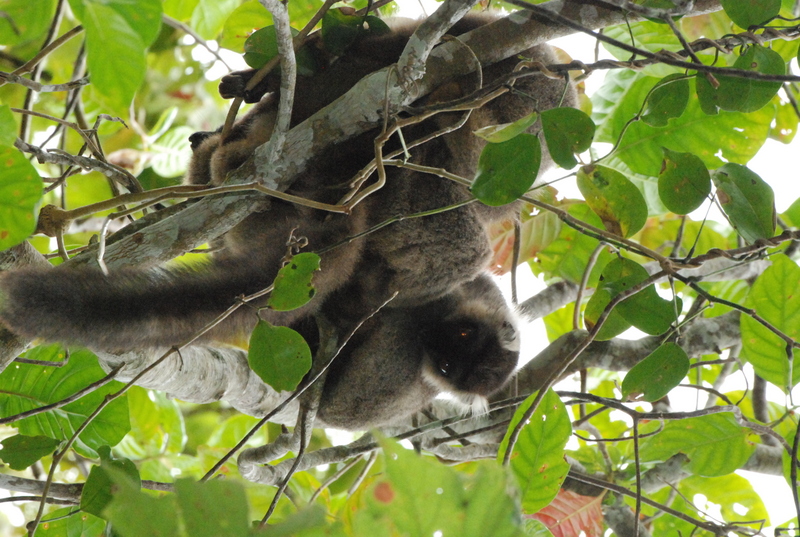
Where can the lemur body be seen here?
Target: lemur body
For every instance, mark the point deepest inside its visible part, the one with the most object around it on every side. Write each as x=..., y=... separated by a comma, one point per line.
x=448, y=329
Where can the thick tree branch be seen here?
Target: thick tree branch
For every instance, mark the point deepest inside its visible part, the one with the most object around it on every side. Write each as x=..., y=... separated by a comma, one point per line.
x=356, y=112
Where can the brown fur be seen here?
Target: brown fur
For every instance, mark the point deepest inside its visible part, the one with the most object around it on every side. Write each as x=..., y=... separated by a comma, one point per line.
x=448, y=328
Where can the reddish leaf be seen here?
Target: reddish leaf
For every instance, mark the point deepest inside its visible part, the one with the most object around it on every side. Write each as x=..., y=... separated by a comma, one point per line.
x=569, y=514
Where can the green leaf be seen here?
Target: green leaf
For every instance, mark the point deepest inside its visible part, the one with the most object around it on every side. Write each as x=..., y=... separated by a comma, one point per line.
x=20, y=194
x=507, y=170
x=134, y=513
x=69, y=522
x=774, y=297
x=567, y=131
x=792, y=215
x=648, y=312
x=659, y=4
x=733, y=493
x=684, y=182
x=143, y=17
x=53, y=352
x=157, y=425
x=98, y=491
x=503, y=133
x=645, y=310
x=420, y=496
x=24, y=21
x=182, y=9
x=8, y=127
x=536, y=528
x=279, y=355
x=293, y=287
x=725, y=137
x=214, y=508
x=618, y=275
x=239, y=25
x=649, y=35
x=668, y=100
x=20, y=451
x=656, y=375
x=743, y=94
x=262, y=46
x=209, y=17
x=748, y=202
x=747, y=13
x=785, y=126
x=614, y=325
x=26, y=387
x=617, y=202
x=646, y=184
x=310, y=521
x=538, y=456
x=340, y=29
x=118, y=33
x=715, y=444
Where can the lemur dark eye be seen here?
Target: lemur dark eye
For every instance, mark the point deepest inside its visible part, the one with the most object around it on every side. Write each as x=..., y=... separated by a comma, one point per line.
x=444, y=367
x=465, y=333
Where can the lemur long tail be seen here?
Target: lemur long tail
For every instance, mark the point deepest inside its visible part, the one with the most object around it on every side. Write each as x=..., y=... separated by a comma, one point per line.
x=129, y=308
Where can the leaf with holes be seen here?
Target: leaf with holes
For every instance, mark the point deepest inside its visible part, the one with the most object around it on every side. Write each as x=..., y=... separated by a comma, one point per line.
x=293, y=287
x=538, y=456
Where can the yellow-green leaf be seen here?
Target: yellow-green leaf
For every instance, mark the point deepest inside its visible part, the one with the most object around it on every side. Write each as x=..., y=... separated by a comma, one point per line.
x=20, y=193
x=293, y=283
x=616, y=200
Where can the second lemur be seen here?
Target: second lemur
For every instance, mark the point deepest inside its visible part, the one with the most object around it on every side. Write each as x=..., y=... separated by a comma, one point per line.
x=448, y=329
